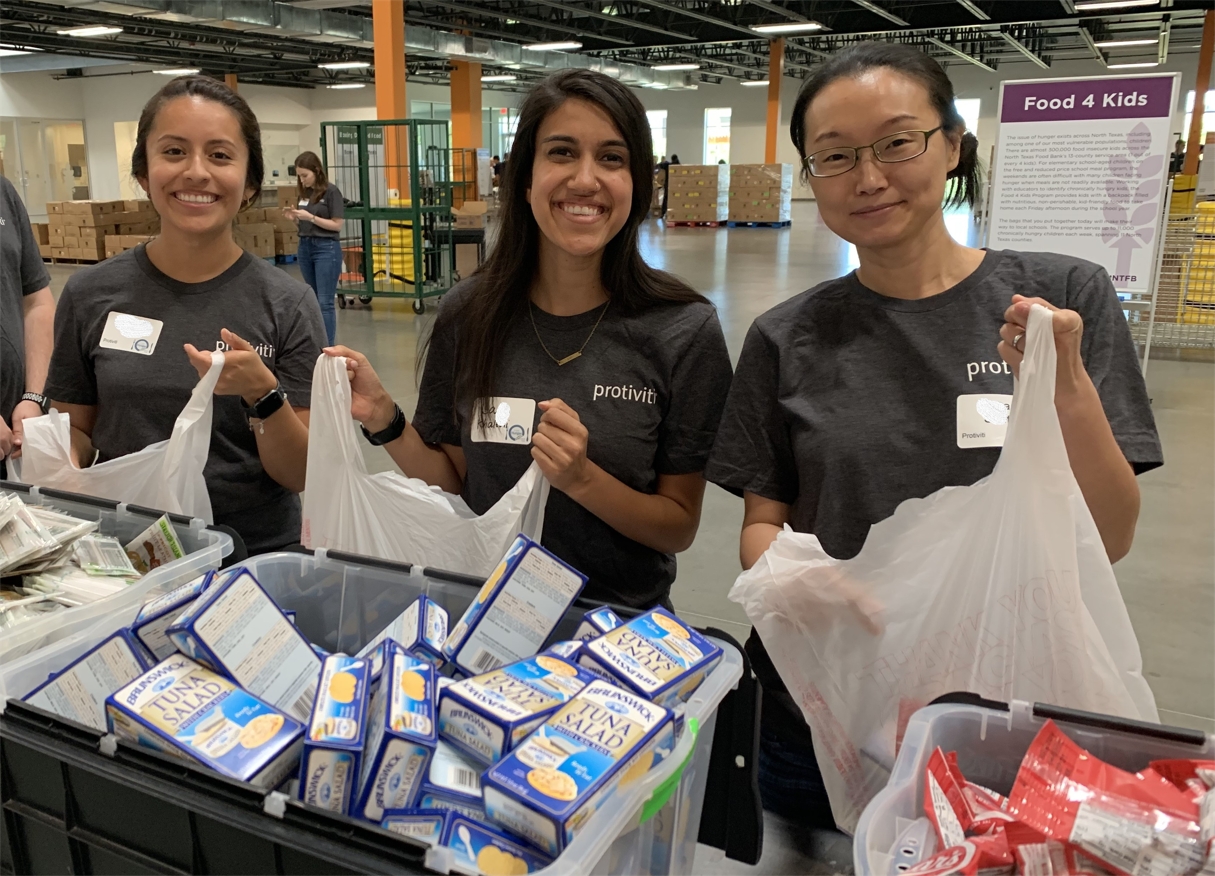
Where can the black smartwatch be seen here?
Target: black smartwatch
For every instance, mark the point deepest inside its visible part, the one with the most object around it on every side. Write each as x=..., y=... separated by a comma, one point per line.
x=265, y=406
x=396, y=427
x=37, y=398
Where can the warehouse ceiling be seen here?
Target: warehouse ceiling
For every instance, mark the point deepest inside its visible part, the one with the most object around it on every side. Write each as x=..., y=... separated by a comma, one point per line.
x=282, y=43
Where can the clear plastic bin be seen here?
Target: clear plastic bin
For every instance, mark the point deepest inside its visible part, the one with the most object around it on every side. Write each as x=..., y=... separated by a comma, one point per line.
x=205, y=550
x=340, y=605
x=990, y=743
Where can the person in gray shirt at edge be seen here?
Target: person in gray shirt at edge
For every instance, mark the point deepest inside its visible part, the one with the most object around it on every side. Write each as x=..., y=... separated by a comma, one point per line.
x=613, y=373
x=865, y=390
x=198, y=154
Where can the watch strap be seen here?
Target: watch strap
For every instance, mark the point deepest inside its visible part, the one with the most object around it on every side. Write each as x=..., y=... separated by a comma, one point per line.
x=394, y=430
x=267, y=405
x=37, y=398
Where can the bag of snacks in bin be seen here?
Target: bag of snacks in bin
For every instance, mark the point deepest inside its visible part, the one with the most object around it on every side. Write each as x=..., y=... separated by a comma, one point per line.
x=1002, y=588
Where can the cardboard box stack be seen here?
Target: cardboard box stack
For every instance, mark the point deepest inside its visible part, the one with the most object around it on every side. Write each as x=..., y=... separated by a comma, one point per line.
x=82, y=230
x=42, y=234
x=698, y=192
x=471, y=214
x=267, y=233
x=761, y=192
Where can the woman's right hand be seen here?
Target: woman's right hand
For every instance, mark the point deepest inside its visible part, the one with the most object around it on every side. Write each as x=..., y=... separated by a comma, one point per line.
x=370, y=403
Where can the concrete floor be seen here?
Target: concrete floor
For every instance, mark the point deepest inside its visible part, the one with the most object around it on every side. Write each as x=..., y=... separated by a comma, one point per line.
x=1168, y=580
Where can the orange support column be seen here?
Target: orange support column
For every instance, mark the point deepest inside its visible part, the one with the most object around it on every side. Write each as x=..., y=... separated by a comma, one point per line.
x=388, y=26
x=1201, y=84
x=230, y=81
x=465, y=128
x=776, y=69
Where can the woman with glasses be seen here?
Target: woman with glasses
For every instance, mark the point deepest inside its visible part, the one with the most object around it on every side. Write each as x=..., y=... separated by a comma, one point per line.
x=892, y=382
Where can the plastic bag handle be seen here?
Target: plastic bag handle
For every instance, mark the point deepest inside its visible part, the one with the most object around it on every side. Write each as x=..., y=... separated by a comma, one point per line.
x=663, y=792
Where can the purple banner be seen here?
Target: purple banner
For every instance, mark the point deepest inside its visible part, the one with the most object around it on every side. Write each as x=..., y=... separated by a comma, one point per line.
x=1088, y=99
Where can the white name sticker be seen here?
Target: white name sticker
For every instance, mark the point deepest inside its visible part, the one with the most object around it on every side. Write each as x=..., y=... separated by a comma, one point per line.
x=130, y=334
x=303, y=203
x=983, y=420
x=511, y=420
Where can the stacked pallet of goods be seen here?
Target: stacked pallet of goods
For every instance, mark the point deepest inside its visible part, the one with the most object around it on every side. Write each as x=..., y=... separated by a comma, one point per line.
x=761, y=194
x=267, y=233
x=698, y=194
x=89, y=231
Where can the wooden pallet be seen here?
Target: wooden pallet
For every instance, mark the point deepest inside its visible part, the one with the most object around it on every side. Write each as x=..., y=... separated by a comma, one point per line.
x=671, y=224
x=55, y=261
x=286, y=259
x=784, y=224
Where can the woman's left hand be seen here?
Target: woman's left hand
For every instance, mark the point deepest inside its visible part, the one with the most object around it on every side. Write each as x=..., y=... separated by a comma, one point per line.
x=1068, y=327
x=559, y=446
x=244, y=373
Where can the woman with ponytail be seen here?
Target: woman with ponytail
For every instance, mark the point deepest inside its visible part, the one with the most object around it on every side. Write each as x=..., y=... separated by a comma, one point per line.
x=889, y=383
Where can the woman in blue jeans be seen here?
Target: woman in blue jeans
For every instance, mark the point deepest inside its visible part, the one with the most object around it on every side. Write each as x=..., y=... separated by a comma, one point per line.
x=319, y=215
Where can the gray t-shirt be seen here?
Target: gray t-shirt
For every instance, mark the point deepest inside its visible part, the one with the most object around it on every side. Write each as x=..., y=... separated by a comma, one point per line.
x=139, y=397
x=844, y=401
x=328, y=206
x=649, y=388
x=21, y=273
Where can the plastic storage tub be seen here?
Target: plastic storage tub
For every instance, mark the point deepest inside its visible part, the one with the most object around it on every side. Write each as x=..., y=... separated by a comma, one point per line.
x=205, y=549
x=74, y=800
x=990, y=741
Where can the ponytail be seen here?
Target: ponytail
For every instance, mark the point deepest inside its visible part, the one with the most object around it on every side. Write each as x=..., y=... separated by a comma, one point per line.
x=966, y=179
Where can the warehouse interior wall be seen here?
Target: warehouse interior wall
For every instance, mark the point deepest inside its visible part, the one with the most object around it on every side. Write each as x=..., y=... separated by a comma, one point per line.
x=291, y=117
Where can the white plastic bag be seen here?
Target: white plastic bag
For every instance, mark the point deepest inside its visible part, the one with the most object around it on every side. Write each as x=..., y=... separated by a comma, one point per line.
x=394, y=517
x=166, y=476
x=1002, y=588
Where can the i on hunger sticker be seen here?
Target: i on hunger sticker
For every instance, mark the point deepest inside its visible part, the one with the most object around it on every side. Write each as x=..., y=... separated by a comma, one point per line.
x=130, y=334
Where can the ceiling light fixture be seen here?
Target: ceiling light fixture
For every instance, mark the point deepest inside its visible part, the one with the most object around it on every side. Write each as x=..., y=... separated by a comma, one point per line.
x=1130, y=66
x=178, y=71
x=657, y=85
x=91, y=31
x=7, y=50
x=754, y=83
x=791, y=27
x=503, y=78
x=674, y=67
x=341, y=86
x=553, y=47
x=344, y=65
x=1113, y=44
x=1098, y=5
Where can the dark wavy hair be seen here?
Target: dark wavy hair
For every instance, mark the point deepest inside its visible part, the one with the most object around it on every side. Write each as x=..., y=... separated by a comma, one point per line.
x=311, y=161
x=504, y=282
x=210, y=89
x=965, y=179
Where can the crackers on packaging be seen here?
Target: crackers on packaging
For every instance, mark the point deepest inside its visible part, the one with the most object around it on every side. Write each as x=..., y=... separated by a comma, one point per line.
x=333, y=747
x=187, y=711
x=157, y=615
x=596, y=623
x=604, y=739
x=480, y=847
x=420, y=629
x=515, y=611
x=238, y=630
x=401, y=736
x=655, y=654
x=78, y=692
x=487, y=715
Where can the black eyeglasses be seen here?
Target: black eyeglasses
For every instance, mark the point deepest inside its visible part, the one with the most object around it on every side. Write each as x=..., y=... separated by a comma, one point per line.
x=903, y=146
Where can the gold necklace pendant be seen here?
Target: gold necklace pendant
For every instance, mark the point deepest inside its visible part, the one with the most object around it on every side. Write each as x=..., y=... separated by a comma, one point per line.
x=572, y=356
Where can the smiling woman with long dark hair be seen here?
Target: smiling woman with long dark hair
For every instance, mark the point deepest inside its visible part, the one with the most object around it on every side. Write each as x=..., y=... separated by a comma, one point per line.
x=614, y=373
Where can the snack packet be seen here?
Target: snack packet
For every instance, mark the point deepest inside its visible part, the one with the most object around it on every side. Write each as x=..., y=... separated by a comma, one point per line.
x=155, y=546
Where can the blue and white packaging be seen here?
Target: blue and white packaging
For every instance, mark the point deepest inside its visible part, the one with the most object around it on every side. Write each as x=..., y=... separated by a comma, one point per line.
x=488, y=715
x=453, y=774
x=187, y=711
x=515, y=611
x=420, y=629
x=238, y=630
x=424, y=825
x=604, y=739
x=152, y=623
x=79, y=691
x=289, y=615
x=597, y=622
x=568, y=650
x=448, y=803
x=333, y=747
x=479, y=847
x=655, y=654
x=401, y=736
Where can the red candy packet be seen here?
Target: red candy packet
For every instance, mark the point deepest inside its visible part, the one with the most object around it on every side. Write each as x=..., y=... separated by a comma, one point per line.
x=1133, y=823
x=985, y=855
x=1035, y=855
